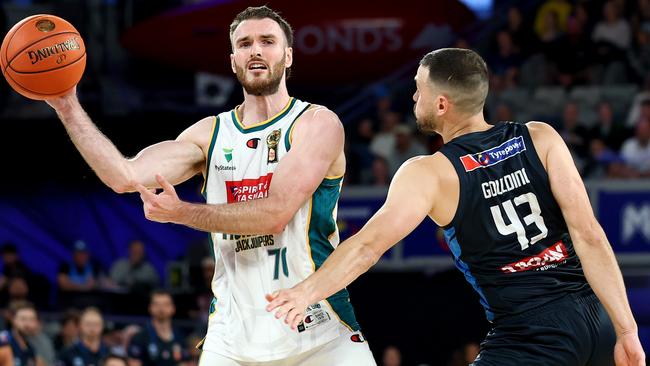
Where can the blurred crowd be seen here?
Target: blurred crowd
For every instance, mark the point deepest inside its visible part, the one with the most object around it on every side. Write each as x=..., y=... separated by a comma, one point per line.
x=581, y=66
x=66, y=327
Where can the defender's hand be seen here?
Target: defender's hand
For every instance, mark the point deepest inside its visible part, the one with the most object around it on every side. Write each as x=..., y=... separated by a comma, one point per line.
x=161, y=207
x=628, y=351
x=290, y=302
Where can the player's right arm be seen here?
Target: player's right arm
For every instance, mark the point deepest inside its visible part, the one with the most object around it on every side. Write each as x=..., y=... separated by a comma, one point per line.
x=589, y=240
x=410, y=199
x=177, y=160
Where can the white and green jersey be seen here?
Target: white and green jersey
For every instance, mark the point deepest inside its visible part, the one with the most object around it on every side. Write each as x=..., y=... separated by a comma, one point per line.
x=241, y=160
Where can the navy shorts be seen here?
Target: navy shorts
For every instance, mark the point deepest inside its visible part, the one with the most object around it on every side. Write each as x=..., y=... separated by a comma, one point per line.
x=572, y=331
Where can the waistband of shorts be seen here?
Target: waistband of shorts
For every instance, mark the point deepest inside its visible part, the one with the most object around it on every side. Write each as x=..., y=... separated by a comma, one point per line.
x=583, y=297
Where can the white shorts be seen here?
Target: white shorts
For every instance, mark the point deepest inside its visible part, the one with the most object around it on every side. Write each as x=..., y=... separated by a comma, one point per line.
x=342, y=351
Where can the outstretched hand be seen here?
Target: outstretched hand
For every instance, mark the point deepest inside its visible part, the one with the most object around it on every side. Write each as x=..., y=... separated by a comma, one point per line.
x=163, y=206
x=290, y=304
x=628, y=351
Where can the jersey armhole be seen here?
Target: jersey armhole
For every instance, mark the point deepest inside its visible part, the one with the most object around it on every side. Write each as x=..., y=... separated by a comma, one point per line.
x=213, y=140
x=461, y=184
x=534, y=155
x=288, y=137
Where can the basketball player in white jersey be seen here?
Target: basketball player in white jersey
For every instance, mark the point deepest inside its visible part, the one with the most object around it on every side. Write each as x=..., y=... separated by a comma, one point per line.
x=273, y=168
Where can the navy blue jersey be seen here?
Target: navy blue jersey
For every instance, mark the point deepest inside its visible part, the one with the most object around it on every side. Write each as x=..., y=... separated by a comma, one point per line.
x=508, y=235
x=22, y=356
x=147, y=347
x=80, y=355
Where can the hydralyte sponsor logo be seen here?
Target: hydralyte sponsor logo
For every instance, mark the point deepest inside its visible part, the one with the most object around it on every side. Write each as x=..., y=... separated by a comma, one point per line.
x=494, y=155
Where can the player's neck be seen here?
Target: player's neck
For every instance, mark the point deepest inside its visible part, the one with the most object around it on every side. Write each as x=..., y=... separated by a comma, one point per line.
x=162, y=327
x=462, y=126
x=91, y=343
x=256, y=109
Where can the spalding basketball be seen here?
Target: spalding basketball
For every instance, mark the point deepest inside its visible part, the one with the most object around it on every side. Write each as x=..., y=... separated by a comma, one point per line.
x=42, y=57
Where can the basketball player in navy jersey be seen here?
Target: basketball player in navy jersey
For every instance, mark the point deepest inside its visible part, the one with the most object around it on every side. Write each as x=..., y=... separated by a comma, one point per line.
x=517, y=220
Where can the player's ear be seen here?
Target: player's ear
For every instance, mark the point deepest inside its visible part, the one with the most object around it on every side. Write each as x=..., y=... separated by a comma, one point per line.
x=232, y=63
x=442, y=105
x=288, y=60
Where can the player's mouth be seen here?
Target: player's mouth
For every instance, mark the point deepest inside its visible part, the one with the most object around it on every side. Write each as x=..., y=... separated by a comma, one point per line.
x=257, y=66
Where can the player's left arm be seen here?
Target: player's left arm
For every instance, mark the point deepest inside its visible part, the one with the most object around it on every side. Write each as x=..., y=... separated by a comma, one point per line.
x=589, y=240
x=318, y=140
x=410, y=199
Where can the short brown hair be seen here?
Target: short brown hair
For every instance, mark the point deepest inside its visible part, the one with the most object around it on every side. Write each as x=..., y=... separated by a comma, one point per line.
x=18, y=305
x=262, y=12
x=460, y=72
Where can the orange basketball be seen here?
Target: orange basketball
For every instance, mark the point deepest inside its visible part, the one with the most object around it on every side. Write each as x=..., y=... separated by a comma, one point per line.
x=43, y=56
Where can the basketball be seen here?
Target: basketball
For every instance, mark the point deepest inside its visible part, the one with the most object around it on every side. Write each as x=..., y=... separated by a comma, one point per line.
x=42, y=57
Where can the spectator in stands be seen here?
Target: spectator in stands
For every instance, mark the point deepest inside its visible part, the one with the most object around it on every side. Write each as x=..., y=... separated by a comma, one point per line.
x=636, y=150
x=383, y=142
x=639, y=53
x=613, y=29
x=611, y=132
x=522, y=35
x=17, y=290
x=69, y=330
x=505, y=58
x=204, y=295
x=573, y=132
x=391, y=356
x=577, y=43
x=159, y=344
x=360, y=156
x=560, y=10
x=380, y=172
x=89, y=349
x=114, y=360
x=6, y=356
x=12, y=266
x=135, y=272
x=24, y=325
x=405, y=148
x=612, y=37
x=80, y=275
x=604, y=162
x=43, y=345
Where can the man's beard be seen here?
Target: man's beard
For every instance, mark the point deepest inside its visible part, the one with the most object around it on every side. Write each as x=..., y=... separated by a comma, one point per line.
x=266, y=86
x=426, y=125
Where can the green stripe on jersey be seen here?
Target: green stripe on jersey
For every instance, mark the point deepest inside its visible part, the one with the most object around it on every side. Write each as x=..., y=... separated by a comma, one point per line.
x=213, y=140
x=287, y=136
x=321, y=226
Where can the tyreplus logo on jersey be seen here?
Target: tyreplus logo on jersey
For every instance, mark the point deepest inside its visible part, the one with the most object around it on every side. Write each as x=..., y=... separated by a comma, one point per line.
x=494, y=155
x=248, y=189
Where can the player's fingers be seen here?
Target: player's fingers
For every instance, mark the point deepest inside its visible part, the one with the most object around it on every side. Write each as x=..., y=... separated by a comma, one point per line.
x=283, y=310
x=291, y=315
x=164, y=183
x=279, y=300
x=296, y=321
x=145, y=193
x=270, y=297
